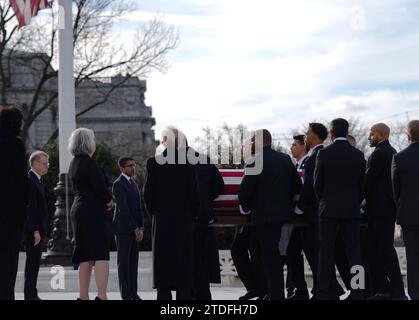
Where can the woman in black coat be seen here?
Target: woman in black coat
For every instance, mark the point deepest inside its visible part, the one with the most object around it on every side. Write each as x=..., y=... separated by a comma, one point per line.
x=171, y=197
x=92, y=201
x=13, y=197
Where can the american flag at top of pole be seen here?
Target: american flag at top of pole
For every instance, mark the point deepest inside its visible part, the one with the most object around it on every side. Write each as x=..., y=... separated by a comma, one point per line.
x=26, y=9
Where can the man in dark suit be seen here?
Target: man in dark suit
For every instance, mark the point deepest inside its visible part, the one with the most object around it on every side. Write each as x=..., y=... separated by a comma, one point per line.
x=37, y=222
x=381, y=216
x=405, y=177
x=128, y=226
x=295, y=281
x=245, y=251
x=307, y=208
x=338, y=181
x=268, y=195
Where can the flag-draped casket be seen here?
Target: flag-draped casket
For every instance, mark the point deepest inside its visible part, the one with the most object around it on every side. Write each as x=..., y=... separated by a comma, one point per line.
x=226, y=205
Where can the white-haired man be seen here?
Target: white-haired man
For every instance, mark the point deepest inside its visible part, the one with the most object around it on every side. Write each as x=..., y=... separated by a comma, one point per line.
x=37, y=222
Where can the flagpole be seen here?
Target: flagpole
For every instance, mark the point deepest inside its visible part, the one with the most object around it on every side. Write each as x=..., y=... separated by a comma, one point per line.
x=60, y=243
x=66, y=91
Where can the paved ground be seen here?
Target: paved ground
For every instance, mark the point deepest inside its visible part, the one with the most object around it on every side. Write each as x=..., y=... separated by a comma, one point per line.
x=218, y=293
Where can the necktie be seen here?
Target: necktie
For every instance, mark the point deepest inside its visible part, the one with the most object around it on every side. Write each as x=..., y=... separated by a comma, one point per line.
x=133, y=186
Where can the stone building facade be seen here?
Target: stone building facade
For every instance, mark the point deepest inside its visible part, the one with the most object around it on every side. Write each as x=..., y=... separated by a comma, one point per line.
x=124, y=122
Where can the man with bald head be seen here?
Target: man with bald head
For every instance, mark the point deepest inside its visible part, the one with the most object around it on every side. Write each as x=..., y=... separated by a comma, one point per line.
x=268, y=197
x=381, y=212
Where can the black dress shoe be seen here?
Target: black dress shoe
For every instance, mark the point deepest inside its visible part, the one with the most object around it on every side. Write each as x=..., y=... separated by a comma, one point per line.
x=299, y=295
x=97, y=298
x=249, y=295
x=380, y=296
x=136, y=297
x=400, y=298
x=290, y=292
x=348, y=298
x=265, y=297
x=35, y=298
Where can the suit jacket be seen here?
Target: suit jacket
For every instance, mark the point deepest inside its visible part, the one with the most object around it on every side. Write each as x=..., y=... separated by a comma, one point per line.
x=269, y=195
x=338, y=180
x=378, y=191
x=308, y=201
x=38, y=209
x=13, y=181
x=405, y=176
x=128, y=207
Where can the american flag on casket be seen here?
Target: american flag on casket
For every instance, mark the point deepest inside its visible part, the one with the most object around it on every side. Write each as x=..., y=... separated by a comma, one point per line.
x=226, y=205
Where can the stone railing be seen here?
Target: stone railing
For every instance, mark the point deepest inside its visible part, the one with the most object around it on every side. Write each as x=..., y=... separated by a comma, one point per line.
x=229, y=276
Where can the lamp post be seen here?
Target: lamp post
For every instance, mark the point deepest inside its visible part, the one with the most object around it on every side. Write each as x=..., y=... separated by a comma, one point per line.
x=60, y=246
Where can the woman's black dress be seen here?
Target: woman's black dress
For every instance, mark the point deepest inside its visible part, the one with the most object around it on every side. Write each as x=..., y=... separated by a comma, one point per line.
x=89, y=210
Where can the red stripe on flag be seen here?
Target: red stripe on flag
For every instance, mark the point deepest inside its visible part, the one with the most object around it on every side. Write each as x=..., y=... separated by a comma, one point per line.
x=226, y=203
x=20, y=7
x=34, y=7
x=231, y=189
x=18, y=12
x=232, y=174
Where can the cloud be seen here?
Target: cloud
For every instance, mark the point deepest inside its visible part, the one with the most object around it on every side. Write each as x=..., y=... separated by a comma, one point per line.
x=279, y=64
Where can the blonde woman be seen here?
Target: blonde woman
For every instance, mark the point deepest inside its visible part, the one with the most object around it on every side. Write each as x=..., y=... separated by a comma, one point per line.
x=92, y=202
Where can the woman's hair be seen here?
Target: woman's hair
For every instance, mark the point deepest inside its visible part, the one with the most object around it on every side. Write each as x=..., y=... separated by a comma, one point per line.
x=82, y=141
x=11, y=120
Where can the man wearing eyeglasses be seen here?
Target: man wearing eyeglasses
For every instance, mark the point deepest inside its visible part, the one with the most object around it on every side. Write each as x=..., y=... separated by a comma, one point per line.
x=37, y=222
x=128, y=225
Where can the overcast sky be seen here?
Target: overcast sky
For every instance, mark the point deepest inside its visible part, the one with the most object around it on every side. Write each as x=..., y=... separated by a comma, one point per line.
x=279, y=64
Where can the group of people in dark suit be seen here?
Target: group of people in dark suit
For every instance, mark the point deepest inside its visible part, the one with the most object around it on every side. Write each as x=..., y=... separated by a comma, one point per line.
x=329, y=189
x=335, y=183
x=178, y=194
x=92, y=203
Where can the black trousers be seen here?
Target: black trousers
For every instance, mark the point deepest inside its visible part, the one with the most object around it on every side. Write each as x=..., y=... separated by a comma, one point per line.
x=33, y=262
x=181, y=294
x=201, y=274
x=387, y=277
x=246, y=255
x=295, y=261
x=342, y=263
x=269, y=235
x=328, y=232
x=10, y=239
x=368, y=261
x=411, y=241
x=127, y=258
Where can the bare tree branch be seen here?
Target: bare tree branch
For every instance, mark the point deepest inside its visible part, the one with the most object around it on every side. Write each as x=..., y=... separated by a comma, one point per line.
x=98, y=51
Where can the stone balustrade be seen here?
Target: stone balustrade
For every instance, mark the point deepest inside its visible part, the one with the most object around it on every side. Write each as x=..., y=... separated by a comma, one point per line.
x=229, y=276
